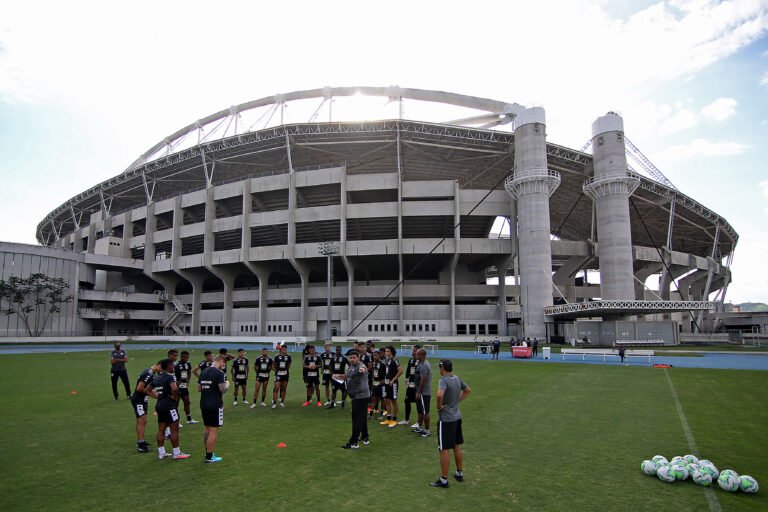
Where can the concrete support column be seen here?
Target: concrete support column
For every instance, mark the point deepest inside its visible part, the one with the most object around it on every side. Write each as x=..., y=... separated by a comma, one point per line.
x=262, y=273
x=127, y=235
x=610, y=188
x=352, y=321
x=531, y=184
x=178, y=221
x=150, y=226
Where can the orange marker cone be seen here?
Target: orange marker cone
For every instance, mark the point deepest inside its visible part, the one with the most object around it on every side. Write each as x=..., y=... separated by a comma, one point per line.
x=74, y=392
x=281, y=445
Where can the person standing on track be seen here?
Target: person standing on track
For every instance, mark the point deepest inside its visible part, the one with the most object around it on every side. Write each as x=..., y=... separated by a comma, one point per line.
x=118, y=358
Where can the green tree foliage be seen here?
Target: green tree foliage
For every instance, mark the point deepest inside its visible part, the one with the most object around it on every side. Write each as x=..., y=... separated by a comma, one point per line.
x=34, y=299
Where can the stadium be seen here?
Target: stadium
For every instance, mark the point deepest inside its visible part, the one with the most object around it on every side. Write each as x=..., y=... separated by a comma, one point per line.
x=255, y=221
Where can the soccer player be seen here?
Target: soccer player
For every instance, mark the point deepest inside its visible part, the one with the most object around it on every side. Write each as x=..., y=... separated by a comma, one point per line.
x=262, y=366
x=326, y=357
x=118, y=358
x=183, y=370
x=227, y=358
x=205, y=363
x=173, y=355
x=451, y=390
x=393, y=371
x=312, y=364
x=240, y=371
x=140, y=403
x=377, y=384
x=165, y=390
x=282, y=366
x=212, y=385
x=410, y=390
x=356, y=378
x=339, y=365
x=423, y=381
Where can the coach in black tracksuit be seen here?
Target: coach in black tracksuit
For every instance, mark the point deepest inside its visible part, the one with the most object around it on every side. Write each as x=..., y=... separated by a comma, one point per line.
x=118, y=358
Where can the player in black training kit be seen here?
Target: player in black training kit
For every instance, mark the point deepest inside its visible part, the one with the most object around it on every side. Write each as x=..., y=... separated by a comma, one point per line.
x=377, y=384
x=212, y=385
x=262, y=366
x=393, y=372
x=118, y=358
x=339, y=365
x=282, y=366
x=164, y=388
x=140, y=404
x=240, y=371
x=227, y=358
x=205, y=363
x=410, y=391
x=312, y=365
x=326, y=357
x=183, y=371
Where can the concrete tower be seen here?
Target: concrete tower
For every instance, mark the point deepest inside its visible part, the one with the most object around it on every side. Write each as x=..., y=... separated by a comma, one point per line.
x=531, y=184
x=610, y=188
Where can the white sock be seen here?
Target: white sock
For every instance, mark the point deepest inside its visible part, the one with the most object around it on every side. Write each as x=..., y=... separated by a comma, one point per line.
x=176, y=451
x=161, y=450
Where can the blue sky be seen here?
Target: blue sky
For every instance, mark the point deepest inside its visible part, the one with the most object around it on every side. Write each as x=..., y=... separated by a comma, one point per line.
x=85, y=87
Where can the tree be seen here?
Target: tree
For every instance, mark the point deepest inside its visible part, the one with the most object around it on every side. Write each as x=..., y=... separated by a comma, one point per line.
x=34, y=299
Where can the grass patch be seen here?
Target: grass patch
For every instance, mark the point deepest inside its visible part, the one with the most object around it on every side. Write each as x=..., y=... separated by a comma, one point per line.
x=538, y=437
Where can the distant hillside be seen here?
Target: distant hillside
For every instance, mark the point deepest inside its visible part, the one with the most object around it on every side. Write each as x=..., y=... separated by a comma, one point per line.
x=751, y=307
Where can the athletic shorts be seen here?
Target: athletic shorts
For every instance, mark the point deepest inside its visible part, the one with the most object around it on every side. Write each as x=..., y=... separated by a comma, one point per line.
x=183, y=392
x=410, y=394
x=262, y=377
x=167, y=417
x=326, y=379
x=449, y=434
x=281, y=378
x=376, y=390
x=312, y=381
x=213, y=417
x=241, y=382
x=422, y=406
x=390, y=391
x=140, y=409
x=337, y=385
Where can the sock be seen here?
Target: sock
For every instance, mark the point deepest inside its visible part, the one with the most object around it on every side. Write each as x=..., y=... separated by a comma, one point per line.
x=176, y=450
x=460, y=472
x=394, y=418
x=389, y=418
x=443, y=479
x=140, y=441
x=189, y=417
x=309, y=398
x=161, y=450
x=273, y=401
x=208, y=455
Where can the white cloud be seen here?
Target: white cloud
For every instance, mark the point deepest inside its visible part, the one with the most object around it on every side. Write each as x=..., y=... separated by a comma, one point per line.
x=679, y=121
x=720, y=109
x=763, y=186
x=699, y=148
x=764, y=79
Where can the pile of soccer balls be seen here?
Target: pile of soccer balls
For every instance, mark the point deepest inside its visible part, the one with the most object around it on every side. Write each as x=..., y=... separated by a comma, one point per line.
x=702, y=472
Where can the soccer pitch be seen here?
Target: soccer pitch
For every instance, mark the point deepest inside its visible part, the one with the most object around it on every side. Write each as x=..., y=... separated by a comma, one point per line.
x=539, y=436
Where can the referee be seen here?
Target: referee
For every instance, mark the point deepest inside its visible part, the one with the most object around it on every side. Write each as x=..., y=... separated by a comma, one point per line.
x=450, y=392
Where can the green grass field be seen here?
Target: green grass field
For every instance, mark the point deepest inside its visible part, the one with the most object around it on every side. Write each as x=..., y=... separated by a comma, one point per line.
x=539, y=436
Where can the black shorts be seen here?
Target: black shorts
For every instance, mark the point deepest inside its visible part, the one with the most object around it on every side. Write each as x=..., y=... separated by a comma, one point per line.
x=282, y=378
x=140, y=408
x=376, y=390
x=410, y=394
x=167, y=417
x=262, y=378
x=390, y=391
x=183, y=392
x=312, y=381
x=213, y=417
x=422, y=406
x=326, y=379
x=449, y=434
x=241, y=382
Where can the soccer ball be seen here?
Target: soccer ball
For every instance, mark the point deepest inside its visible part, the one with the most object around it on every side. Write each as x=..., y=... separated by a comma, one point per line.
x=665, y=474
x=748, y=484
x=710, y=469
x=701, y=478
x=649, y=467
x=679, y=471
x=692, y=459
x=692, y=467
x=659, y=459
x=677, y=459
x=728, y=480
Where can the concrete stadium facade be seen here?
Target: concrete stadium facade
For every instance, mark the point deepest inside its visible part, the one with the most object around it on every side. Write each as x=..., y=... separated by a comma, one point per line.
x=221, y=236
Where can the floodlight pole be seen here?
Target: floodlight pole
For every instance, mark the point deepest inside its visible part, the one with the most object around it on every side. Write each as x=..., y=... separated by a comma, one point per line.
x=328, y=249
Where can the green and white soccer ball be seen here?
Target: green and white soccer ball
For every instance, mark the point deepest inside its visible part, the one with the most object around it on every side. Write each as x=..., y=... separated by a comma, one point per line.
x=678, y=471
x=659, y=459
x=649, y=467
x=748, y=484
x=701, y=478
x=692, y=467
x=691, y=459
x=665, y=473
x=709, y=468
x=678, y=459
x=728, y=480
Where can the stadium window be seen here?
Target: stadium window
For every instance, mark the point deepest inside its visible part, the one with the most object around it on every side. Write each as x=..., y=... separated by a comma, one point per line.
x=493, y=329
x=376, y=327
x=241, y=328
x=269, y=328
x=389, y=327
x=290, y=328
x=217, y=329
x=421, y=327
x=433, y=328
x=481, y=329
x=461, y=328
x=407, y=327
x=370, y=328
x=472, y=329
